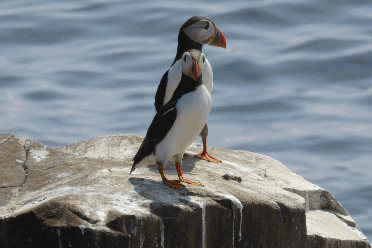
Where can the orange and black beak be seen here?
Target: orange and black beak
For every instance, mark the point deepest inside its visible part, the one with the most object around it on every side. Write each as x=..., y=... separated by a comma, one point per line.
x=218, y=40
x=195, y=69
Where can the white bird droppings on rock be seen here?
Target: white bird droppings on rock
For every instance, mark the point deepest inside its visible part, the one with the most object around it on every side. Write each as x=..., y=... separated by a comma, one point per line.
x=81, y=227
x=202, y=206
x=39, y=155
x=239, y=205
x=101, y=215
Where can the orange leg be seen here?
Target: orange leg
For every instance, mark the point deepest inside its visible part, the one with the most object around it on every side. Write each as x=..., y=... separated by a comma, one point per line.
x=205, y=156
x=178, y=166
x=170, y=183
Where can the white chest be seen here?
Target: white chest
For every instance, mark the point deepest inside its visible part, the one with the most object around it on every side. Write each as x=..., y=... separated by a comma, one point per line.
x=208, y=76
x=196, y=102
x=193, y=110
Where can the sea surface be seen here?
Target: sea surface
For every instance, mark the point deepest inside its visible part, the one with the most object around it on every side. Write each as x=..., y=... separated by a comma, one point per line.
x=295, y=82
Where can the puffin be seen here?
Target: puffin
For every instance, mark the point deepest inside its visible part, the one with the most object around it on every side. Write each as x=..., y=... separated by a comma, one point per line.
x=194, y=33
x=178, y=122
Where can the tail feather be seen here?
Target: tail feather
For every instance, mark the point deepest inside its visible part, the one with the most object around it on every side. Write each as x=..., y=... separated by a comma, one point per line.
x=133, y=168
x=145, y=161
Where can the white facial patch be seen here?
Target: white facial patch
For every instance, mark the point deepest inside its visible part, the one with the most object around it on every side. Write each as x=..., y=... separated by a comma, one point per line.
x=187, y=63
x=202, y=31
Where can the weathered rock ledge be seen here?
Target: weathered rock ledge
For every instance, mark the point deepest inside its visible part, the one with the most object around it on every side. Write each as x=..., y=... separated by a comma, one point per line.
x=82, y=195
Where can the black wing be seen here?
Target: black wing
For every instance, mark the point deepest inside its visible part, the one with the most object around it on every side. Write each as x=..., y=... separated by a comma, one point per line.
x=160, y=126
x=160, y=93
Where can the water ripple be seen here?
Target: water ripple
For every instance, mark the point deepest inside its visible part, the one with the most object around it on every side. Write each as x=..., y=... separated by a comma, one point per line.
x=44, y=95
x=40, y=35
x=294, y=82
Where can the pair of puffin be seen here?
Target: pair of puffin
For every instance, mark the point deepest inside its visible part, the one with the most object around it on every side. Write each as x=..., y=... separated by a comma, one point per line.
x=182, y=101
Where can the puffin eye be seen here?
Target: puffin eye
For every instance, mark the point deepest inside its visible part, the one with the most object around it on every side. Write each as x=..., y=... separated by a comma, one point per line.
x=207, y=26
x=184, y=56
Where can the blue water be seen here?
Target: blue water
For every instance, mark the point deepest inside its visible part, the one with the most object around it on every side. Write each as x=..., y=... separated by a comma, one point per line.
x=294, y=82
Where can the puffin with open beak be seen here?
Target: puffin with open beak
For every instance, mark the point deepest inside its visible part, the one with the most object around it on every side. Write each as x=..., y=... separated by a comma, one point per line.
x=194, y=33
x=177, y=124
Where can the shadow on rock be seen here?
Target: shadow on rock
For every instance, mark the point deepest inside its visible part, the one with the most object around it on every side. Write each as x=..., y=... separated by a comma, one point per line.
x=157, y=191
x=188, y=164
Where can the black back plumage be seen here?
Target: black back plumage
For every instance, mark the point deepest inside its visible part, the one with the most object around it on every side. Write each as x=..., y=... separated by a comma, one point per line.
x=165, y=118
x=160, y=125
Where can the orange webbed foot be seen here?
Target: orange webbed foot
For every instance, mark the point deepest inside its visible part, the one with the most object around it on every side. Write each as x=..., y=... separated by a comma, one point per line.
x=171, y=183
x=185, y=155
x=185, y=180
x=205, y=156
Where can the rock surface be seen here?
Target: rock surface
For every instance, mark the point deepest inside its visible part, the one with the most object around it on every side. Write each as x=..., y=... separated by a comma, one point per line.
x=82, y=195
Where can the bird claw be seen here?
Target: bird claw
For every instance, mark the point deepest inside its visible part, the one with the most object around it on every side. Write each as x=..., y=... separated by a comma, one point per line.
x=185, y=180
x=185, y=155
x=173, y=183
x=207, y=157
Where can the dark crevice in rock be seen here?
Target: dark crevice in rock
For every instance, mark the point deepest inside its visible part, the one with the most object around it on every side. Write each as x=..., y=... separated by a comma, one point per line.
x=328, y=202
x=83, y=217
x=224, y=202
x=5, y=187
x=27, y=147
x=191, y=193
x=293, y=225
x=124, y=224
x=186, y=202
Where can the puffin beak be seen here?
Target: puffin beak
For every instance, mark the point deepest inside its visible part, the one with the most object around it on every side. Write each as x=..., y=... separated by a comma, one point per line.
x=218, y=40
x=195, y=70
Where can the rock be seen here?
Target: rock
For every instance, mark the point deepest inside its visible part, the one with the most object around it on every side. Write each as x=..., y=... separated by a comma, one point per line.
x=82, y=195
